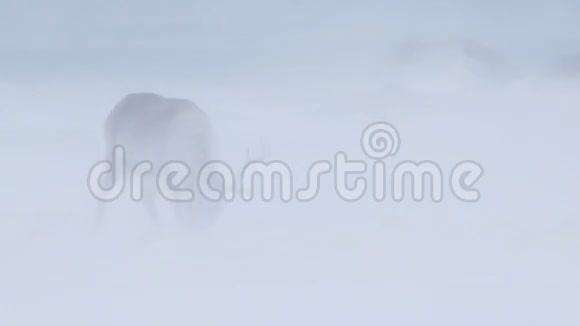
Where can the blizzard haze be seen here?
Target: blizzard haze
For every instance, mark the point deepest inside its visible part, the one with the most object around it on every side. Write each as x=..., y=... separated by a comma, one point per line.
x=495, y=82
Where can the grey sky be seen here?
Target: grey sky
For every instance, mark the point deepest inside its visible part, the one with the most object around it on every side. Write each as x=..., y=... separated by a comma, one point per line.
x=164, y=37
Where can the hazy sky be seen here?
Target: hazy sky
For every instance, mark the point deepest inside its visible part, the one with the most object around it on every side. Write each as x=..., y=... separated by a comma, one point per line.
x=44, y=39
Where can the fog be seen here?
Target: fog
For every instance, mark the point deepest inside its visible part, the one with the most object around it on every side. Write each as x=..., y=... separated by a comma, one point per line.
x=493, y=82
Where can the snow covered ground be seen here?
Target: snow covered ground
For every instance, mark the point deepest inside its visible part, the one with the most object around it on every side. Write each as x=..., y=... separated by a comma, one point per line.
x=510, y=259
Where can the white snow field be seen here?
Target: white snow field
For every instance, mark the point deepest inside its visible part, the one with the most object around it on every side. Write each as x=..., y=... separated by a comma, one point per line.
x=492, y=93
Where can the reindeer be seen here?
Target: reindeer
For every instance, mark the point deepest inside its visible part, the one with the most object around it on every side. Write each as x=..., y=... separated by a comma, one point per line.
x=157, y=129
